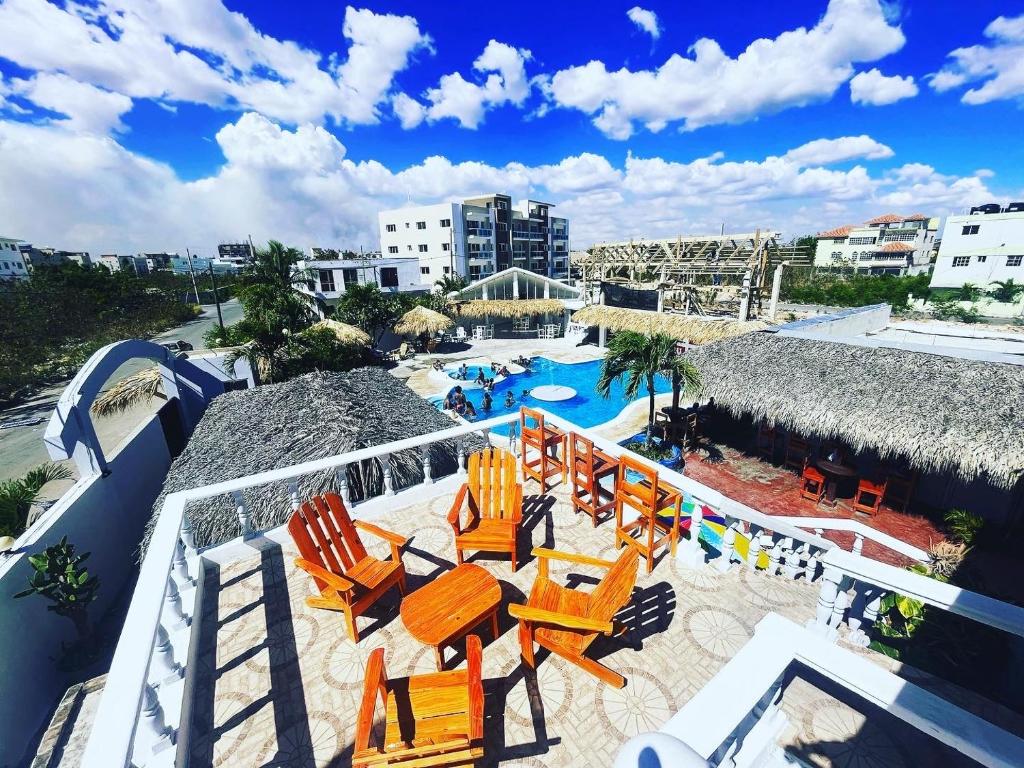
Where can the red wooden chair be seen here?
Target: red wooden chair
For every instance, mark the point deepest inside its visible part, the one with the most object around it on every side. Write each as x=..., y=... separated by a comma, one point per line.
x=798, y=451
x=543, y=453
x=766, y=442
x=869, y=496
x=587, y=468
x=812, y=484
x=899, y=488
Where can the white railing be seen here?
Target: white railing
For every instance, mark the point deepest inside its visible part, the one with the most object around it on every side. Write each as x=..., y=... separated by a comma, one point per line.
x=859, y=530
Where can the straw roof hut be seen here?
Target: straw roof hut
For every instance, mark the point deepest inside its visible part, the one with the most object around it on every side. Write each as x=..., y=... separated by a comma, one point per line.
x=420, y=320
x=510, y=307
x=942, y=414
x=345, y=333
x=309, y=417
x=696, y=329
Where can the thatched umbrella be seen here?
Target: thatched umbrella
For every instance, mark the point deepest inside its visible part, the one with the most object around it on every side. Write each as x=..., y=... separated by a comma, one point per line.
x=309, y=417
x=698, y=330
x=936, y=411
x=345, y=333
x=423, y=320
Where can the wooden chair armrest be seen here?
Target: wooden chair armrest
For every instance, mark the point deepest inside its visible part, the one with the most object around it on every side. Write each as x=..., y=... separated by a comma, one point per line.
x=474, y=662
x=455, y=512
x=319, y=572
x=368, y=704
x=540, y=616
x=381, y=533
x=554, y=554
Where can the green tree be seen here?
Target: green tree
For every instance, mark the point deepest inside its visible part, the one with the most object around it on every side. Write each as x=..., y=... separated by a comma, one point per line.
x=637, y=359
x=969, y=292
x=1005, y=290
x=450, y=283
x=367, y=307
x=17, y=496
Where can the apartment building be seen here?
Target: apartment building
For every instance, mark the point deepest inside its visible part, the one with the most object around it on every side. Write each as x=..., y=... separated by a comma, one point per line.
x=888, y=244
x=330, y=278
x=981, y=247
x=12, y=262
x=52, y=257
x=477, y=237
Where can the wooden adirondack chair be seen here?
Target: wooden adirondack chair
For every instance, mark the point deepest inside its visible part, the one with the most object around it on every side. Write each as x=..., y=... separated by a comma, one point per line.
x=348, y=578
x=494, y=502
x=566, y=621
x=430, y=720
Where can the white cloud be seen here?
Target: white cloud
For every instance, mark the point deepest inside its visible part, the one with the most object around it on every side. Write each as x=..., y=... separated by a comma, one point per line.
x=86, y=108
x=798, y=67
x=875, y=89
x=645, y=20
x=997, y=67
x=199, y=51
x=466, y=101
x=828, y=151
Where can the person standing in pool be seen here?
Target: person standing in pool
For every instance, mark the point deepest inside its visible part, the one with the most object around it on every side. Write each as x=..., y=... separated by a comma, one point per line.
x=510, y=399
x=480, y=378
x=485, y=405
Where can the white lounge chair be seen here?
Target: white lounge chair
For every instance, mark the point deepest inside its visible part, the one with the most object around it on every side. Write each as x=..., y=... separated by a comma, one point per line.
x=460, y=334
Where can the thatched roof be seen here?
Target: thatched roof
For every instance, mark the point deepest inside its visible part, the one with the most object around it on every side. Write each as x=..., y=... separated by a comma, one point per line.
x=345, y=333
x=698, y=330
x=510, y=307
x=309, y=417
x=419, y=320
x=942, y=414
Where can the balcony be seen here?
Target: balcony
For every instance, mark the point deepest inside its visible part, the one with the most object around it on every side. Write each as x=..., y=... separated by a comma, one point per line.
x=479, y=232
x=222, y=662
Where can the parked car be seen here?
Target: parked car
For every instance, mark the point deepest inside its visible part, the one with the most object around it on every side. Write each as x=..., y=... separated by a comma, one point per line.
x=177, y=346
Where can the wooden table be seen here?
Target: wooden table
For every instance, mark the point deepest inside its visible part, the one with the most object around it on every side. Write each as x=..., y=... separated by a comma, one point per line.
x=834, y=472
x=444, y=610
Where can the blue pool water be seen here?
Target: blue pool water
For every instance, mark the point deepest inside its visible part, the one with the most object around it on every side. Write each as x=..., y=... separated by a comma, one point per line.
x=586, y=409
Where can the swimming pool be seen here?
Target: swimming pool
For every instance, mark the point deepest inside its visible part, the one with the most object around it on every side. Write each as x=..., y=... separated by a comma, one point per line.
x=587, y=408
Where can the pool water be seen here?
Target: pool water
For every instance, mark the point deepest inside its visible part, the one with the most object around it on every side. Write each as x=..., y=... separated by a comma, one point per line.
x=587, y=408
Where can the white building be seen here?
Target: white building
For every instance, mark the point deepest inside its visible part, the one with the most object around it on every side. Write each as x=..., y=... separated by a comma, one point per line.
x=12, y=262
x=331, y=278
x=981, y=247
x=477, y=237
x=889, y=244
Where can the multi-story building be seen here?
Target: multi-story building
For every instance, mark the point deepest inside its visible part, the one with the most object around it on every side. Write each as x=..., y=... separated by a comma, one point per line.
x=330, y=278
x=477, y=237
x=889, y=244
x=982, y=247
x=180, y=265
x=237, y=253
x=52, y=257
x=12, y=262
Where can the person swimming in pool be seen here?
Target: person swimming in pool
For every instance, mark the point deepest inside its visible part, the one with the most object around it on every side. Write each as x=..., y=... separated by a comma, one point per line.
x=510, y=399
x=487, y=401
x=470, y=410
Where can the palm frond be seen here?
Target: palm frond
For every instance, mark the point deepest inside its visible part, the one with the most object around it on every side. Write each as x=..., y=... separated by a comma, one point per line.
x=137, y=388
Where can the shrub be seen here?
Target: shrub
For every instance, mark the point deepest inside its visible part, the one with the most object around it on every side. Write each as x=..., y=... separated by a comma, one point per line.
x=949, y=309
x=962, y=526
x=60, y=577
x=946, y=557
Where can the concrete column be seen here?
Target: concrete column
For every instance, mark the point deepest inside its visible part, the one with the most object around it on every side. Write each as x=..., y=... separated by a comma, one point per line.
x=773, y=305
x=745, y=298
x=661, y=299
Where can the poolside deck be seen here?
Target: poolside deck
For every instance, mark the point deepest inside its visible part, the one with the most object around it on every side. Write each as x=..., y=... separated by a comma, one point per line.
x=278, y=682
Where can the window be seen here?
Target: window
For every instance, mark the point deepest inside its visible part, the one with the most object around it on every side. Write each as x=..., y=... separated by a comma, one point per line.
x=389, y=277
x=446, y=222
x=446, y=246
x=862, y=241
x=961, y=261
x=447, y=270
x=970, y=229
x=501, y=204
x=408, y=247
x=392, y=249
x=982, y=259
x=421, y=225
x=391, y=227
x=421, y=248
x=349, y=276
x=407, y=225
x=1013, y=261
x=327, y=280
x=424, y=270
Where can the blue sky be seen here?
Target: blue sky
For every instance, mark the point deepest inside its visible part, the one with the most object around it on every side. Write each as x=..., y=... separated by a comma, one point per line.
x=136, y=124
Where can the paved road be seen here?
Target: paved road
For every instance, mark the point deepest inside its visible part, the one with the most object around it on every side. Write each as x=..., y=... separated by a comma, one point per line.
x=21, y=448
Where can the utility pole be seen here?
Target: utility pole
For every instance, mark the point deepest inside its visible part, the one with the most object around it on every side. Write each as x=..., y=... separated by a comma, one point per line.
x=193, y=271
x=216, y=298
x=252, y=250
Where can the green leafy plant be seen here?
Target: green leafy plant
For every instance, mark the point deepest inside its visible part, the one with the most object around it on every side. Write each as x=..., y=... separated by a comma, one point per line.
x=950, y=309
x=60, y=577
x=652, y=451
x=969, y=292
x=963, y=526
x=17, y=496
x=1005, y=290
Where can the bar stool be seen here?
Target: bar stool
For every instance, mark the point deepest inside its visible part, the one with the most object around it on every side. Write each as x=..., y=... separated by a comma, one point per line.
x=544, y=442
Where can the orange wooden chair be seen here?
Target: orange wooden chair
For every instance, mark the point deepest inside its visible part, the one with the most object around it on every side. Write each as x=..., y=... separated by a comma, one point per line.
x=798, y=451
x=566, y=621
x=869, y=496
x=812, y=483
x=493, y=500
x=429, y=720
x=543, y=448
x=766, y=442
x=899, y=488
x=349, y=580
x=647, y=498
x=587, y=468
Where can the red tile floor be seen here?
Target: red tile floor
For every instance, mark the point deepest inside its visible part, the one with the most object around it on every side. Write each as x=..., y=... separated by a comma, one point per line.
x=776, y=491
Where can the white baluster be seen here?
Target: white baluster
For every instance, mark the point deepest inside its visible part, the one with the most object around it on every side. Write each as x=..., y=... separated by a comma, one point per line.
x=165, y=665
x=160, y=734
x=385, y=467
x=293, y=495
x=242, y=510
x=858, y=544
x=425, y=456
x=792, y=566
x=180, y=565
x=871, y=598
x=826, y=602
x=341, y=478
x=187, y=535
x=838, y=610
x=775, y=557
x=754, y=552
x=172, y=600
x=728, y=546
x=461, y=444
x=690, y=554
x=487, y=435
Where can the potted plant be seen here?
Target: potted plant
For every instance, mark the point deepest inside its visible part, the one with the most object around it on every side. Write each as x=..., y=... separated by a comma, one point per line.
x=60, y=577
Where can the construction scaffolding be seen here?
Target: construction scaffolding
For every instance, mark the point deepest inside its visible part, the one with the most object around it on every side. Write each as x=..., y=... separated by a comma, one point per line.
x=696, y=272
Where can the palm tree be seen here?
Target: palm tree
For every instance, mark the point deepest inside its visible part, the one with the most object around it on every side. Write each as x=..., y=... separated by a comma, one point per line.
x=450, y=283
x=1005, y=290
x=638, y=359
x=17, y=496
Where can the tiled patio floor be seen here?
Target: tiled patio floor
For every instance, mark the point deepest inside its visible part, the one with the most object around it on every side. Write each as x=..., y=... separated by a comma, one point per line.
x=776, y=491
x=278, y=682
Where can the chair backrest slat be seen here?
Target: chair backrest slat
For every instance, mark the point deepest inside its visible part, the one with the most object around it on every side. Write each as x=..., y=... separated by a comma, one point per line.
x=324, y=534
x=616, y=587
x=343, y=521
x=492, y=483
x=641, y=496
